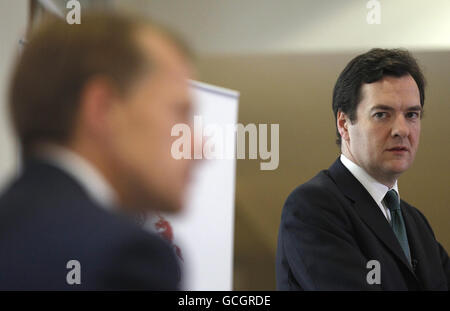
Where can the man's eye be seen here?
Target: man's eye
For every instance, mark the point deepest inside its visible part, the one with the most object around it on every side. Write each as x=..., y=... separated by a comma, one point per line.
x=380, y=115
x=412, y=115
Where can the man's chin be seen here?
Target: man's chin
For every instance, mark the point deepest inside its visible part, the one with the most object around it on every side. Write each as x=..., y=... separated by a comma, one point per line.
x=171, y=207
x=397, y=167
x=151, y=203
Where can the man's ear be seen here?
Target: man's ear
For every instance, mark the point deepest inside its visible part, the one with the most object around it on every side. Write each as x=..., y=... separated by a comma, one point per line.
x=96, y=104
x=342, y=125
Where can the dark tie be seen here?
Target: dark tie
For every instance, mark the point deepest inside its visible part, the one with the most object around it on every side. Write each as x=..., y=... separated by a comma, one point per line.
x=398, y=225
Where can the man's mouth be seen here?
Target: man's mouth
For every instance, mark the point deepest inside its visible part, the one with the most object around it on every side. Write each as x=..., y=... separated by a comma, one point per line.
x=398, y=149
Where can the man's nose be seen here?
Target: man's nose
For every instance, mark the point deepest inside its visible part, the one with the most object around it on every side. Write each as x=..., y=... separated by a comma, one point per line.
x=400, y=126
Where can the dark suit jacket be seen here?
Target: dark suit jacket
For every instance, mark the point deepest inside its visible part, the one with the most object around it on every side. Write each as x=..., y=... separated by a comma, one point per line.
x=47, y=219
x=331, y=227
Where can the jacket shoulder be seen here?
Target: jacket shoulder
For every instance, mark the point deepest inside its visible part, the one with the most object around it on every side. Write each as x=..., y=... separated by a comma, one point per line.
x=317, y=200
x=320, y=186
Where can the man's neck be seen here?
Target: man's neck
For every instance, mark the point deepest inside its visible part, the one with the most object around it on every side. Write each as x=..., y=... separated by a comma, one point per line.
x=86, y=172
x=388, y=181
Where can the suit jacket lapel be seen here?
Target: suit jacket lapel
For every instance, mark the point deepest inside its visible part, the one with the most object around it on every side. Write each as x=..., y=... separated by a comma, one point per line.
x=418, y=253
x=367, y=209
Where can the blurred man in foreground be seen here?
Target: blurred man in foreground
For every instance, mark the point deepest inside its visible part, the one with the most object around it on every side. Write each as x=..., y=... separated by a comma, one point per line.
x=93, y=106
x=347, y=229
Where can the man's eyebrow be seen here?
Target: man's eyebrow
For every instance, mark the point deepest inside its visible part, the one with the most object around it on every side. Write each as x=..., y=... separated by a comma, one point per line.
x=415, y=108
x=382, y=107
x=389, y=108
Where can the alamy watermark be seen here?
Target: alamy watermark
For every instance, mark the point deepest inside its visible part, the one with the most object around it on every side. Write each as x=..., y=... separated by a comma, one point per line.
x=374, y=14
x=214, y=141
x=73, y=277
x=74, y=15
x=374, y=275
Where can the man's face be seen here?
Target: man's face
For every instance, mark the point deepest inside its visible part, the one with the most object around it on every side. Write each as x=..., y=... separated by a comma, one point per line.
x=385, y=135
x=142, y=140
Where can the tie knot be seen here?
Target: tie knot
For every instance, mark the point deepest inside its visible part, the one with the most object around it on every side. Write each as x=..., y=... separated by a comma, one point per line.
x=391, y=200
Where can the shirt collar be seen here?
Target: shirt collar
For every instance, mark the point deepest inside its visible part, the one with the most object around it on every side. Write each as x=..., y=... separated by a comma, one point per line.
x=90, y=179
x=376, y=189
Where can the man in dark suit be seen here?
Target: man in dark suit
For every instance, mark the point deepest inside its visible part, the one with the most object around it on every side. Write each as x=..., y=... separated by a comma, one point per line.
x=346, y=228
x=93, y=106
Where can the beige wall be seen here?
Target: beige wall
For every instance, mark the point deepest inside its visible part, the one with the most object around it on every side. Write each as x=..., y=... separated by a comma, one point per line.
x=13, y=18
x=295, y=91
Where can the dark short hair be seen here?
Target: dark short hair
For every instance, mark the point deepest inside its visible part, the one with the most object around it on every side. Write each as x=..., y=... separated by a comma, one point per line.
x=371, y=67
x=58, y=61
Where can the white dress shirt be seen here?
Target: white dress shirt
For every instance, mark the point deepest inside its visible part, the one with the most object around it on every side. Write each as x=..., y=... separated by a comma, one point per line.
x=84, y=173
x=376, y=190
